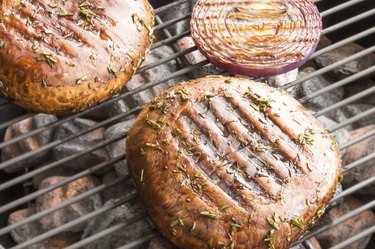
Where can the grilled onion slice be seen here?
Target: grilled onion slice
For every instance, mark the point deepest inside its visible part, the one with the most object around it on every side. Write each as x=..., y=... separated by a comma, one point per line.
x=256, y=37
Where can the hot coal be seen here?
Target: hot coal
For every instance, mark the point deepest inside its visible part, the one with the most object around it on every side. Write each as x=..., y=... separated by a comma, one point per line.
x=348, y=228
x=341, y=135
x=352, y=110
x=118, y=148
x=342, y=53
x=120, y=237
x=60, y=195
x=196, y=57
x=34, y=228
x=151, y=75
x=312, y=85
x=120, y=190
x=29, y=144
x=159, y=242
x=80, y=144
x=356, y=152
x=359, y=86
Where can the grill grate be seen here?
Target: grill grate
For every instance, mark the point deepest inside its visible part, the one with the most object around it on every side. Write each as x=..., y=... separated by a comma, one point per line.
x=185, y=69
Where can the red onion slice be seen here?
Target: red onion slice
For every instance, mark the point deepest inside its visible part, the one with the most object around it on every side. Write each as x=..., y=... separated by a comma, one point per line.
x=256, y=37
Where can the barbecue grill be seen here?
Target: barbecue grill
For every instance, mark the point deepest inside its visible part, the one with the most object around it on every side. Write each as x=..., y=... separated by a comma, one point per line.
x=345, y=21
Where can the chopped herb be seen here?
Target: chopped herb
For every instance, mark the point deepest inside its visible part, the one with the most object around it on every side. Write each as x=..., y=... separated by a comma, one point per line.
x=35, y=46
x=174, y=232
x=234, y=225
x=177, y=222
x=62, y=12
x=49, y=58
x=209, y=214
x=142, y=175
x=272, y=221
x=80, y=80
x=154, y=146
x=305, y=138
x=210, y=242
x=71, y=64
x=197, y=155
x=44, y=83
x=159, y=124
x=111, y=70
x=197, y=133
x=297, y=222
x=86, y=10
x=224, y=207
x=176, y=132
x=270, y=239
x=183, y=94
x=97, y=79
x=193, y=227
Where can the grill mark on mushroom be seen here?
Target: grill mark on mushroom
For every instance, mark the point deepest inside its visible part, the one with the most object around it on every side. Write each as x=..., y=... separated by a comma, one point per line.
x=246, y=170
x=270, y=128
x=216, y=176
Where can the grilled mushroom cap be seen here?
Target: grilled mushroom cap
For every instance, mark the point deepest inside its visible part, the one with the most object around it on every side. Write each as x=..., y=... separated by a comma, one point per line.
x=226, y=162
x=65, y=56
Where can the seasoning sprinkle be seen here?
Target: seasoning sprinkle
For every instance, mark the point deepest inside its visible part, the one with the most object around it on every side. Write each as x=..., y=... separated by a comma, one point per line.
x=112, y=70
x=193, y=227
x=270, y=239
x=272, y=221
x=297, y=222
x=209, y=214
x=142, y=175
x=49, y=58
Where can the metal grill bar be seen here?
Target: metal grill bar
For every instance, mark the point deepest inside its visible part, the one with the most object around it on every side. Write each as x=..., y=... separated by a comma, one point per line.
x=15, y=120
x=166, y=59
x=170, y=39
x=340, y=83
x=340, y=7
x=110, y=230
x=348, y=21
x=168, y=6
x=343, y=42
x=353, y=189
x=358, y=139
x=355, y=238
x=346, y=101
x=75, y=222
x=337, y=222
x=352, y=119
x=138, y=242
x=173, y=21
x=60, y=184
x=359, y=162
x=56, y=163
x=69, y=138
x=330, y=67
x=62, y=205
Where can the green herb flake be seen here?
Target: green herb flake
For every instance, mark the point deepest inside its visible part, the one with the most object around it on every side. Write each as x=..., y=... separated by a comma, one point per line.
x=111, y=70
x=49, y=58
x=80, y=80
x=62, y=13
x=193, y=227
x=270, y=239
x=44, y=83
x=209, y=214
x=272, y=221
x=297, y=222
x=177, y=222
x=142, y=175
